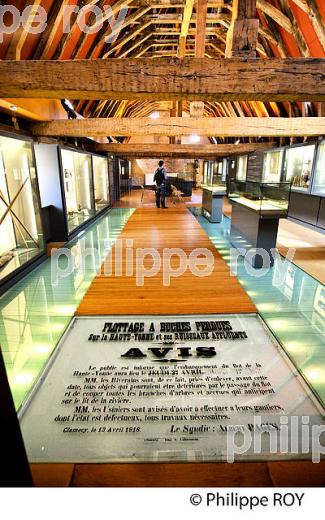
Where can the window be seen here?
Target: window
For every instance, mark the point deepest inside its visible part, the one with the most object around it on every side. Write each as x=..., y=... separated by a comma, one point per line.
x=298, y=166
x=273, y=166
x=20, y=219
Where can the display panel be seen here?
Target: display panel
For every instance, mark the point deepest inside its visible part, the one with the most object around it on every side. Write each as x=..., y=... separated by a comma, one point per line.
x=298, y=166
x=163, y=388
x=20, y=221
x=272, y=167
x=241, y=170
x=319, y=177
x=78, y=188
x=101, y=182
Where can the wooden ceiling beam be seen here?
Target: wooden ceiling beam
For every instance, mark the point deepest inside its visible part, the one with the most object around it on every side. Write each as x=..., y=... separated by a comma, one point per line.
x=166, y=79
x=181, y=150
x=175, y=126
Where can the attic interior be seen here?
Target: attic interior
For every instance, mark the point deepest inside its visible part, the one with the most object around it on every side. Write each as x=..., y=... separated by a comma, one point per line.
x=226, y=101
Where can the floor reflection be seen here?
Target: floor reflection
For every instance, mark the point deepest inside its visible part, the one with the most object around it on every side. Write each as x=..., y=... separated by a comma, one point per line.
x=36, y=311
x=290, y=301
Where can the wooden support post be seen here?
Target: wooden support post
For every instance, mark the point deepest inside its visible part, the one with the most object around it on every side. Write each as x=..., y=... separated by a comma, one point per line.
x=321, y=109
x=197, y=107
x=173, y=113
x=243, y=31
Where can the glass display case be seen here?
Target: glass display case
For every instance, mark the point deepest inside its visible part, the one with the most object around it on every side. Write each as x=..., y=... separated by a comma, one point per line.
x=21, y=234
x=214, y=175
x=101, y=182
x=264, y=198
x=298, y=166
x=318, y=187
x=241, y=168
x=78, y=187
x=272, y=166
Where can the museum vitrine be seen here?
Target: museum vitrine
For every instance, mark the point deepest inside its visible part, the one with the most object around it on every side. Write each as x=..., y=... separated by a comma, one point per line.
x=319, y=176
x=272, y=166
x=101, y=182
x=298, y=166
x=264, y=197
x=241, y=168
x=214, y=175
x=21, y=234
x=78, y=187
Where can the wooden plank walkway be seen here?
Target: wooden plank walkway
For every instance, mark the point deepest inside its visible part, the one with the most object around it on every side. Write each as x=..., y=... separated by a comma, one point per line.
x=176, y=227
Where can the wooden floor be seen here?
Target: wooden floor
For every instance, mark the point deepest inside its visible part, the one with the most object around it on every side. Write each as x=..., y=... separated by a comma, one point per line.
x=175, y=227
x=239, y=474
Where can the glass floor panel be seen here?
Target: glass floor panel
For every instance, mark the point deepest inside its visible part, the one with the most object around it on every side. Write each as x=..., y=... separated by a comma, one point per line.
x=291, y=302
x=36, y=311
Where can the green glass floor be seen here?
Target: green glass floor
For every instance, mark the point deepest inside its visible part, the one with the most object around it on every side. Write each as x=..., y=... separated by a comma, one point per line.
x=35, y=312
x=291, y=302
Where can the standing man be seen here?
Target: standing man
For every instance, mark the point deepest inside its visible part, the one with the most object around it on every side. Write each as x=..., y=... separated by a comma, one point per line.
x=160, y=179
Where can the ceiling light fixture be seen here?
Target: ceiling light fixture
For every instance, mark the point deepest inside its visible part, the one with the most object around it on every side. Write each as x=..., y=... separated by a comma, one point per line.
x=155, y=115
x=194, y=138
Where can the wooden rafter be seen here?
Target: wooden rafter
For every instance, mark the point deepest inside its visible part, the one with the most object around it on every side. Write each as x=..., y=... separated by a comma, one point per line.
x=302, y=4
x=275, y=13
x=54, y=28
x=296, y=31
x=128, y=37
x=187, y=14
x=316, y=20
x=20, y=35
